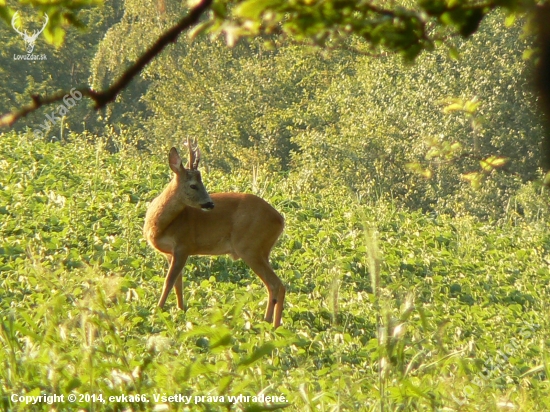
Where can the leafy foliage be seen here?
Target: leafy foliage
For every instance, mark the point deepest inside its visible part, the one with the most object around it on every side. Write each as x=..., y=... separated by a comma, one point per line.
x=456, y=136
x=405, y=27
x=411, y=285
x=460, y=308
x=66, y=64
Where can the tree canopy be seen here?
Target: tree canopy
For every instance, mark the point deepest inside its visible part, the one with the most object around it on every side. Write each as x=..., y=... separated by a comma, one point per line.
x=403, y=27
x=406, y=27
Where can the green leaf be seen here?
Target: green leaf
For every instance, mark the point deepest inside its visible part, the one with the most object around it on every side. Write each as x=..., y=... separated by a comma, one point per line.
x=5, y=12
x=453, y=108
x=492, y=162
x=471, y=106
x=454, y=53
x=26, y=331
x=200, y=29
x=475, y=179
x=197, y=368
x=224, y=340
x=54, y=35
x=510, y=19
x=527, y=54
x=447, y=19
x=486, y=166
x=253, y=9
x=72, y=384
x=533, y=370
x=456, y=146
x=224, y=383
x=417, y=168
x=259, y=353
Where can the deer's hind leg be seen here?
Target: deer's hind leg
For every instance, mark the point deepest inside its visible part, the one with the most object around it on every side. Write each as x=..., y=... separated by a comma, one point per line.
x=275, y=288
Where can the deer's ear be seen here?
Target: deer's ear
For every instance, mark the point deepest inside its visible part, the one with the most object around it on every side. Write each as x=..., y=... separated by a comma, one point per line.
x=174, y=160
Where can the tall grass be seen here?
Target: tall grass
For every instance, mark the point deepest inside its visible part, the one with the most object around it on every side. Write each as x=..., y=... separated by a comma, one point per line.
x=387, y=309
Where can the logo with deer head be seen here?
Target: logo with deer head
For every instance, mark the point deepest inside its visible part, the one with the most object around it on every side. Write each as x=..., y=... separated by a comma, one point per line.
x=30, y=40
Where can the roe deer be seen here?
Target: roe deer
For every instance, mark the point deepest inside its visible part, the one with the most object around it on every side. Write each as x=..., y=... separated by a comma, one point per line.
x=185, y=220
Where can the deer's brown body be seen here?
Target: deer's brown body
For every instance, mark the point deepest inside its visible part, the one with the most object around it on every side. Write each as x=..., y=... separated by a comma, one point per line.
x=185, y=220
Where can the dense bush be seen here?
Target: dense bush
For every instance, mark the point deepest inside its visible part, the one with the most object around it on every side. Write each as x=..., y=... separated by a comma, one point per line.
x=418, y=134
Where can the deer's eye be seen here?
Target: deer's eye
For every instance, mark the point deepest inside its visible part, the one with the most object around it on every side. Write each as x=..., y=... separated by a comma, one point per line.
x=194, y=187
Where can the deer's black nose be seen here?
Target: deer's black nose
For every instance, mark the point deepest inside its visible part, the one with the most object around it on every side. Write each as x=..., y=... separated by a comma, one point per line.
x=207, y=206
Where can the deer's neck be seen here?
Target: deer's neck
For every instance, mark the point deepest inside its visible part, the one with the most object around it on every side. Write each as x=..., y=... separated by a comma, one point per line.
x=162, y=211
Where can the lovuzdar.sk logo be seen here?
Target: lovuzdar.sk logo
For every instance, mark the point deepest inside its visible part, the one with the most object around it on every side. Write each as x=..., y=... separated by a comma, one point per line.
x=30, y=39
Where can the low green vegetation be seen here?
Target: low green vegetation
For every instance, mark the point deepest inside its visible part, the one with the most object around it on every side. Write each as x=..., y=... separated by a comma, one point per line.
x=387, y=308
x=416, y=249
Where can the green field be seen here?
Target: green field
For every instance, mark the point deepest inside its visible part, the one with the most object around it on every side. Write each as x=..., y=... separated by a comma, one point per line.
x=387, y=309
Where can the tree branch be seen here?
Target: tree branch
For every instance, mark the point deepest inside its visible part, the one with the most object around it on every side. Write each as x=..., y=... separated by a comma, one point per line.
x=104, y=97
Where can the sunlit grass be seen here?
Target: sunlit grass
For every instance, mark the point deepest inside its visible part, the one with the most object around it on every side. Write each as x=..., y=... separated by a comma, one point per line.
x=459, y=322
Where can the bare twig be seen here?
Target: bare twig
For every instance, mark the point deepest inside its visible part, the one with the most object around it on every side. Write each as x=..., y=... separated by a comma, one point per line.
x=10, y=118
x=104, y=97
